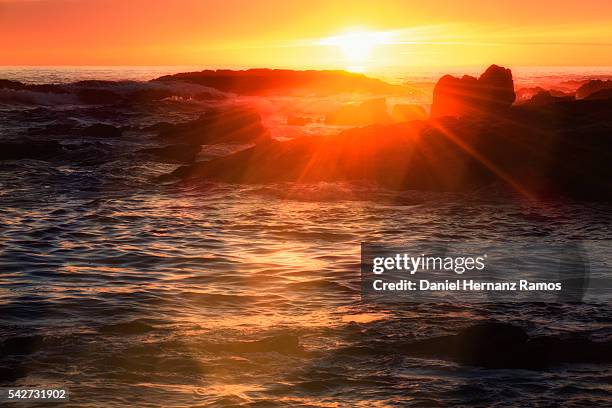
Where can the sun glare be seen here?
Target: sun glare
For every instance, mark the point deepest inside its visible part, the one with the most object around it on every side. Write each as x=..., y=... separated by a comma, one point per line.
x=356, y=46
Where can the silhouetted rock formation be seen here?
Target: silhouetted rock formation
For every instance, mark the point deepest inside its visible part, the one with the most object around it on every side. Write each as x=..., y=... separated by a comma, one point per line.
x=230, y=125
x=29, y=149
x=491, y=92
x=409, y=156
x=500, y=345
x=591, y=87
x=282, y=81
x=101, y=130
x=524, y=94
x=544, y=98
x=601, y=94
x=408, y=112
x=560, y=148
x=174, y=153
x=557, y=147
x=369, y=112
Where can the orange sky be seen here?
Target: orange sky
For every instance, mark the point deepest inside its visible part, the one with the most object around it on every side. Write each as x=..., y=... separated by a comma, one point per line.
x=293, y=34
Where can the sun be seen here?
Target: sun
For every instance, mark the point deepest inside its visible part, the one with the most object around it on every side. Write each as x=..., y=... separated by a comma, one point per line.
x=356, y=46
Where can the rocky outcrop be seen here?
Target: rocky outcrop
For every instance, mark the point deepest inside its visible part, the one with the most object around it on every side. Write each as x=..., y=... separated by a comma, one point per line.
x=525, y=94
x=591, y=87
x=560, y=148
x=408, y=112
x=373, y=111
x=547, y=146
x=501, y=345
x=228, y=125
x=601, y=94
x=544, y=98
x=491, y=93
x=283, y=81
x=396, y=156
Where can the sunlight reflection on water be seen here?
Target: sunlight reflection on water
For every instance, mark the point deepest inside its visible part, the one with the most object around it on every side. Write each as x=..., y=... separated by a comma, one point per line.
x=133, y=292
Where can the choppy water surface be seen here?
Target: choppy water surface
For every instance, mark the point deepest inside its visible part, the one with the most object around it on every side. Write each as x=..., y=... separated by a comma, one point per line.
x=129, y=291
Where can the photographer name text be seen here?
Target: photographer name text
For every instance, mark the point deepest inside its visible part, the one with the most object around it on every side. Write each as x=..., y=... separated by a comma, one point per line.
x=471, y=285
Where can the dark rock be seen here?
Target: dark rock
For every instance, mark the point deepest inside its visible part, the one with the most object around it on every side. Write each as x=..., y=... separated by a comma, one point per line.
x=601, y=94
x=561, y=147
x=497, y=86
x=101, y=130
x=591, y=87
x=524, y=94
x=501, y=345
x=446, y=154
x=387, y=155
x=282, y=81
x=544, y=98
x=229, y=125
x=175, y=153
x=492, y=345
x=492, y=92
x=366, y=113
x=408, y=112
x=571, y=85
x=40, y=150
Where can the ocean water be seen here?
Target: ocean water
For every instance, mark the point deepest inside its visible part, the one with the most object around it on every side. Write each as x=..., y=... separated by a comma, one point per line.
x=63, y=74
x=129, y=291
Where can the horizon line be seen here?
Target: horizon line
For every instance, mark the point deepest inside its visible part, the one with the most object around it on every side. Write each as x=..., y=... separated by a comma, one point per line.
x=236, y=67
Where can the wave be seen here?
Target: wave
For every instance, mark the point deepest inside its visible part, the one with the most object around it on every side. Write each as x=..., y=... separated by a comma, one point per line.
x=26, y=97
x=104, y=93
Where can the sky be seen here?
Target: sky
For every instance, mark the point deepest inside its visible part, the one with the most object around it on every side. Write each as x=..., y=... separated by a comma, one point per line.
x=358, y=35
